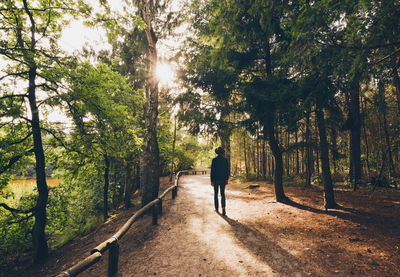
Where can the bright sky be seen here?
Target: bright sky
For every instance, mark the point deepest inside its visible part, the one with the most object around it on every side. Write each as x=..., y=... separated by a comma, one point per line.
x=76, y=35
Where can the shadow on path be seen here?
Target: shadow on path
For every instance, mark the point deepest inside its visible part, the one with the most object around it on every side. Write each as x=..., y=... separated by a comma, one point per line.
x=268, y=251
x=344, y=213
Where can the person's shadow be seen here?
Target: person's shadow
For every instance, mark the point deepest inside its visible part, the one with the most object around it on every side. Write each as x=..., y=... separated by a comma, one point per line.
x=269, y=252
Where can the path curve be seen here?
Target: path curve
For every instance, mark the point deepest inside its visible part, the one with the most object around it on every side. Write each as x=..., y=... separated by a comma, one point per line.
x=193, y=240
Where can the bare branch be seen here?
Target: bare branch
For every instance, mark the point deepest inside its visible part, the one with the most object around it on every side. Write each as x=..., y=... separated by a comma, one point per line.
x=4, y=124
x=26, y=119
x=13, y=96
x=21, y=140
x=388, y=56
x=46, y=86
x=8, y=208
x=48, y=21
x=21, y=219
x=60, y=140
x=20, y=40
x=13, y=58
x=33, y=24
x=13, y=160
x=13, y=74
x=44, y=9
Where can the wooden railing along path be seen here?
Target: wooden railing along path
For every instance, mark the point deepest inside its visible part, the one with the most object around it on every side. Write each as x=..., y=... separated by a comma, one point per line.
x=112, y=245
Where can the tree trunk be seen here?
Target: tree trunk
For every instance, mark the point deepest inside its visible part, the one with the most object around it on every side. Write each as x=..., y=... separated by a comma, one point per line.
x=384, y=108
x=269, y=164
x=264, y=161
x=226, y=145
x=245, y=156
x=258, y=155
x=364, y=108
x=253, y=156
x=137, y=177
x=329, y=199
x=106, y=186
x=40, y=246
x=317, y=166
x=387, y=139
x=269, y=132
x=397, y=84
x=334, y=149
x=297, y=152
x=287, y=156
x=276, y=151
x=149, y=162
x=128, y=184
x=309, y=164
x=173, y=152
x=355, y=132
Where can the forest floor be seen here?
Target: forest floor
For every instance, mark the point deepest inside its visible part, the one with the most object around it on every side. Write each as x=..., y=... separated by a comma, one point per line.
x=257, y=237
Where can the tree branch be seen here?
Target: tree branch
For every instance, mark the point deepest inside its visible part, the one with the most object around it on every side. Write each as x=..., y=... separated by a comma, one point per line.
x=26, y=119
x=388, y=56
x=48, y=20
x=8, y=208
x=13, y=74
x=20, y=220
x=44, y=9
x=33, y=24
x=13, y=160
x=22, y=140
x=11, y=57
x=13, y=96
x=59, y=140
x=55, y=136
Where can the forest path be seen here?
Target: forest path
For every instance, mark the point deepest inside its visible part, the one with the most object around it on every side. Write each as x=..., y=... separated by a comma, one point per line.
x=193, y=240
x=258, y=237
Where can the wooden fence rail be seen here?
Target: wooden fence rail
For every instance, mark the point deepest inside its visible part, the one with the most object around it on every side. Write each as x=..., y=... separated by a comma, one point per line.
x=112, y=245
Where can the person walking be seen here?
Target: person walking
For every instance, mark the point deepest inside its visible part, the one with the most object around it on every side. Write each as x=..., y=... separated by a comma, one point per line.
x=219, y=177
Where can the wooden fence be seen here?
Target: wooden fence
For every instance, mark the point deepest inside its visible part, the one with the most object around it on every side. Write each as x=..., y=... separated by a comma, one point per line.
x=112, y=245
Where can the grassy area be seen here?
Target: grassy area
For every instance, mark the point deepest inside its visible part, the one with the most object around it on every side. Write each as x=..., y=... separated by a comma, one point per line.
x=20, y=187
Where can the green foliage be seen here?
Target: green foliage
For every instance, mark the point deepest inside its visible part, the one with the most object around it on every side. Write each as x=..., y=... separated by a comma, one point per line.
x=15, y=229
x=15, y=147
x=69, y=211
x=184, y=160
x=185, y=153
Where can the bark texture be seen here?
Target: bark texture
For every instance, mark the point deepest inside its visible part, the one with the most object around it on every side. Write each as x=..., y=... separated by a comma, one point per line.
x=149, y=162
x=40, y=246
x=355, y=134
x=106, y=186
x=329, y=199
x=276, y=151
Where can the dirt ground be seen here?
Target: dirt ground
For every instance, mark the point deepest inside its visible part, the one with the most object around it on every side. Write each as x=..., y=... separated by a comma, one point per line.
x=258, y=237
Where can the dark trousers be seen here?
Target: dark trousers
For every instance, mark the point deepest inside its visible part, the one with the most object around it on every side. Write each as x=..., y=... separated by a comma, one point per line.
x=221, y=186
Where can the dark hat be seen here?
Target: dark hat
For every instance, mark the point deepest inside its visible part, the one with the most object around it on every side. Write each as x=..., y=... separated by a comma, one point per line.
x=219, y=151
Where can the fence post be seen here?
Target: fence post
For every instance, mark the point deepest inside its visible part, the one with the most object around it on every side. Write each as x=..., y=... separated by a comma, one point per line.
x=155, y=213
x=174, y=192
x=113, y=255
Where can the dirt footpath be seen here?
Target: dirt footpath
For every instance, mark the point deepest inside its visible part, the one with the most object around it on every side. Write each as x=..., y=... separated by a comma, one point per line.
x=193, y=240
x=260, y=237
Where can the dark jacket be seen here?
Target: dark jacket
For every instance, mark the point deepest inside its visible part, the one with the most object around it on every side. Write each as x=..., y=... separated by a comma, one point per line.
x=219, y=169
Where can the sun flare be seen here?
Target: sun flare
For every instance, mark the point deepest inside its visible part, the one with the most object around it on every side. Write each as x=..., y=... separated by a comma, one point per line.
x=165, y=73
